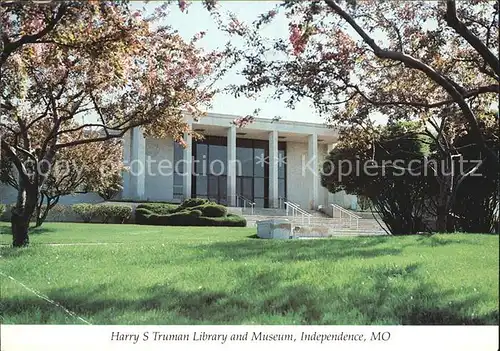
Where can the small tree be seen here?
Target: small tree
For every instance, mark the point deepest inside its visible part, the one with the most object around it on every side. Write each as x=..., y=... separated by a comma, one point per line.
x=374, y=164
x=95, y=167
x=80, y=73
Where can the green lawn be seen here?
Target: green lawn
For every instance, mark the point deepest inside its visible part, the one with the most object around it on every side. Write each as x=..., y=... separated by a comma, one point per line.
x=178, y=275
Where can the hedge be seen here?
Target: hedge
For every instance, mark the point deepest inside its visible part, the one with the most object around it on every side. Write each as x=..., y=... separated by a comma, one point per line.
x=190, y=203
x=188, y=218
x=115, y=213
x=211, y=210
x=142, y=215
x=159, y=208
x=104, y=212
x=85, y=211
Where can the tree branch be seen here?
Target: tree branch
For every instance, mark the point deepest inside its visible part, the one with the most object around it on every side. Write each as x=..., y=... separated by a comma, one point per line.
x=414, y=63
x=454, y=22
x=9, y=47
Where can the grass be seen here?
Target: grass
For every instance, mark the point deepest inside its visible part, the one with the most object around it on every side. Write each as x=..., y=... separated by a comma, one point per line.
x=179, y=275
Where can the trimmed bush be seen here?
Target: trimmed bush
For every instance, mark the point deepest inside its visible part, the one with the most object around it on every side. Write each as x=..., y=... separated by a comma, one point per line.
x=142, y=215
x=85, y=211
x=189, y=203
x=159, y=208
x=230, y=220
x=56, y=214
x=192, y=212
x=189, y=218
x=212, y=210
x=115, y=213
x=196, y=213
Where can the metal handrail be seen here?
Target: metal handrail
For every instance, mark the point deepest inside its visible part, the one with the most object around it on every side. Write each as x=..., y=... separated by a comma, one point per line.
x=281, y=202
x=296, y=209
x=245, y=201
x=347, y=212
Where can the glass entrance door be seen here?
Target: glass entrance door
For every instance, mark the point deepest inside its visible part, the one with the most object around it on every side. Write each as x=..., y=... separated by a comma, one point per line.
x=217, y=189
x=252, y=170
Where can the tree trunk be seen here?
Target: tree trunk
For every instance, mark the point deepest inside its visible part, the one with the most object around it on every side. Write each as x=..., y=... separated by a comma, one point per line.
x=20, y=227
x=22, y=213
x=442, y=219
x=443, y=202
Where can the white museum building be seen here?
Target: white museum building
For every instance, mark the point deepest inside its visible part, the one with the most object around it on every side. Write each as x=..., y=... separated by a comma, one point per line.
x=265, y=163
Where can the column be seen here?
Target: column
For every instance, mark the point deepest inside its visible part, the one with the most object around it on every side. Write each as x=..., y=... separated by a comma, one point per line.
x=138, y=164
x=330, y=197
x=187, y=156
x=126, y=142
x=313, y=170
x=231, y=166
x=273, y=169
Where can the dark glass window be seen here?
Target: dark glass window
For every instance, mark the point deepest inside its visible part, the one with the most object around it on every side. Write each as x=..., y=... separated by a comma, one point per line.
x=247, y=187
x=252, y=170
x=259, y=187
x=200, y=166
x=281, y=164
x=201, y=185
x=281, y=188
x=217, y=158
x=259, y=162
x=244, y=156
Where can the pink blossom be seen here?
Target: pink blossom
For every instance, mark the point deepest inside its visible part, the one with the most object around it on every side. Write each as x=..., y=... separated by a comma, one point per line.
x=199, y=35
x=243, y=121
x=183, y=5
x=297, y=40
x=235, y=26
x=182, y=142
x=271, y=13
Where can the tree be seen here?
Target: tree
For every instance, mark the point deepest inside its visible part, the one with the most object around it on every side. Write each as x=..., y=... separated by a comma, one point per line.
x=413, y=55
x=79, y=73
x=478, y=199
x=377, y=164
x=95, y=167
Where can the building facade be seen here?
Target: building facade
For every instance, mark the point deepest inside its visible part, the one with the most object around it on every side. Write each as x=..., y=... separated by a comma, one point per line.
x=267, y=163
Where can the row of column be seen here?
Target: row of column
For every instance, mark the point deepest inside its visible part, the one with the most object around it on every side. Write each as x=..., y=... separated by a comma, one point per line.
x=135, y=149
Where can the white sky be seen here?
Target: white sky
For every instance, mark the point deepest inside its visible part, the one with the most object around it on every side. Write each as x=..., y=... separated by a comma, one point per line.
x=198, y=19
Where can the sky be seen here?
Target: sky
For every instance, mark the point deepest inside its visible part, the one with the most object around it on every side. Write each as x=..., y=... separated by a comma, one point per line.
x=198, y=19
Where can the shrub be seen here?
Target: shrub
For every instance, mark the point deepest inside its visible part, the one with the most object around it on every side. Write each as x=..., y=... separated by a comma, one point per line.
x=159, y=208
x=189, y=203
x=57, y=213
x=116, y=213
x=2, y=209
x=196, y=213
x=230, y=220
x=85, y=211
x=184, y=218
x=142, y=215
x=192, y=212
x=212, y=210
x=189, y=218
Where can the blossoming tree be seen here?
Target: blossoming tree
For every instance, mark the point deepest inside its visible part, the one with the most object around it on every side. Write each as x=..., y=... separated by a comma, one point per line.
x=77, y=73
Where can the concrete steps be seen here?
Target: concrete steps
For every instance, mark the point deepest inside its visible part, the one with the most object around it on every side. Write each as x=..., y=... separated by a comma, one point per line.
x=328, y=226
x=320, y=224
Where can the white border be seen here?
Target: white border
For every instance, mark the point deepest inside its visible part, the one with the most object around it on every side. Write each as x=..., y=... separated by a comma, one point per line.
x=76, y=337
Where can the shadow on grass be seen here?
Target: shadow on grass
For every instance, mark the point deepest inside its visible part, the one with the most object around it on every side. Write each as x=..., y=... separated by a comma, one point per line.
x=299, y=250
x=5, y=230
x=434, y=241
x=389, y=295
